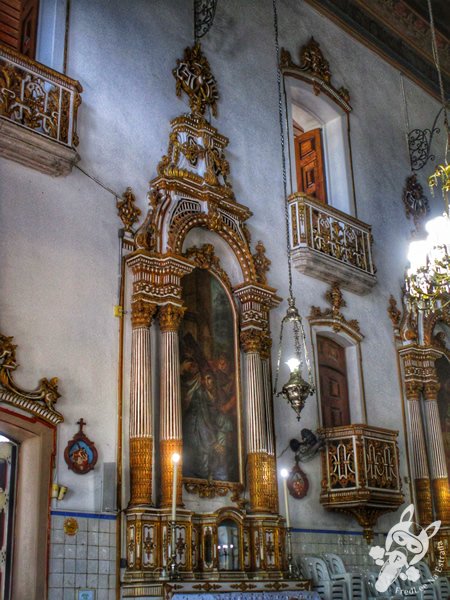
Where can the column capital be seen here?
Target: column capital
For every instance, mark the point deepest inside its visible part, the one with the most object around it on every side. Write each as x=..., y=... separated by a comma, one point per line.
x=431, y=389
x=251, y=340
x=266, y=345
x=170, y=317
x=142, y=313
x=413, y=390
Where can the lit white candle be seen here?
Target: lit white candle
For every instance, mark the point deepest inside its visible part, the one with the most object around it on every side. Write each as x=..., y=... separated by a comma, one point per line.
x=175, y=460
x=285, y=475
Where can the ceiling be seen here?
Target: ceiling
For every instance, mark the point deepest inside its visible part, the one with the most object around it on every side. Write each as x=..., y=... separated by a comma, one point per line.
x=441, y=13
x=398, y=30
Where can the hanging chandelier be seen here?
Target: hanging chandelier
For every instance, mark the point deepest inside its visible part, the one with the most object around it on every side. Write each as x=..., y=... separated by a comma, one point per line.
x=297, y=389
x=428, y=277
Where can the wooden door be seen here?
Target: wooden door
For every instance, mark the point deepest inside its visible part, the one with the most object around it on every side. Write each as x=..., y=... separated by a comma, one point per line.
x=333, y=383
x=309, y=164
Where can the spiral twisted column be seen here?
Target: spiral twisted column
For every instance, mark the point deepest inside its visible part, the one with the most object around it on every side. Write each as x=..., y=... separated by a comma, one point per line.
x=141, y=436
x=438, y=465
x=171, y=436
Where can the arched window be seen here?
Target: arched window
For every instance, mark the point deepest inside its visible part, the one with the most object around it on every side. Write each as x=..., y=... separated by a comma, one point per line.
x=333, y=382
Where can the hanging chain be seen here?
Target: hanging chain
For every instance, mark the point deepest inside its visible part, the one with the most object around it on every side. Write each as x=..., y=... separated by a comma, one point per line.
x=438, y=69
x=283, y=149
x=406, y=115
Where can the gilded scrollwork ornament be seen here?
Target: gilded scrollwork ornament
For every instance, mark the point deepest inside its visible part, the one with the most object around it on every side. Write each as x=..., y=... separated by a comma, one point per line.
x=127, y=210
x=205, y=258
x=416, y=203
x=394, y=312
x=194, y=78
x=39, y=402
x=262, y=263
x=313, y=60
x=333, y=314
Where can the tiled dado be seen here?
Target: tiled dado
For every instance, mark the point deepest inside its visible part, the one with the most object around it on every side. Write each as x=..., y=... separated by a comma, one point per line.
x=84, y=560
x=349, y=545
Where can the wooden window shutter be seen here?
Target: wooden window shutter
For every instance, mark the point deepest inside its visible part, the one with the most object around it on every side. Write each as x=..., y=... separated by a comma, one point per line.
x=333, y=383
x=10, y=23
x=309, y=164
x=18, y=25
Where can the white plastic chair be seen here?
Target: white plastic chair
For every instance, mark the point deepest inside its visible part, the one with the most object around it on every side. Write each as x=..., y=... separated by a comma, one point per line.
x=356, y=589
x=328, y=588
x=441, y=584
x=374, y=594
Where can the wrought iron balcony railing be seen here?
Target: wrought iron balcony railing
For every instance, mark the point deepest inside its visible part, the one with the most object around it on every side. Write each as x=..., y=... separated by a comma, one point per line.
x=330, y=245
x=360, y=472
x=38, y=114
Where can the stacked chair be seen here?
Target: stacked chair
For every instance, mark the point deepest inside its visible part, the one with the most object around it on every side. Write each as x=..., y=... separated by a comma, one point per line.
x=315, y=568
x=354, y=582
x=331, y=580
x=440, y=585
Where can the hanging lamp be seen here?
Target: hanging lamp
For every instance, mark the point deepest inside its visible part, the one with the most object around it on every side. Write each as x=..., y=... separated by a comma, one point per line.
x=300, y=384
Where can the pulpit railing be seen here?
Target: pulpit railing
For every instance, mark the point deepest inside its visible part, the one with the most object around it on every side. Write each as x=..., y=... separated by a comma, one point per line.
x=360, y=472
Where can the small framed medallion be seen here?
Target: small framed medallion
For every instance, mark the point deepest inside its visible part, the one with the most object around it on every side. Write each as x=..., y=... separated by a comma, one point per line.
x=80, y=453
x=297, y=483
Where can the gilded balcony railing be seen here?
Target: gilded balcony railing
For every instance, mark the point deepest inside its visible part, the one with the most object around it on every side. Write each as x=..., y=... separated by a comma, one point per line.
x=38, y=98
x=360, y=472
x=324, y=238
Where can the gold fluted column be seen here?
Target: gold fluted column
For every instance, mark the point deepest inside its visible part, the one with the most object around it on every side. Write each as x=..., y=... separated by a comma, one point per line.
x=171, y=437
x=141, y=437
x=419, y=462
x=438, y=466
x=259, y=464
x=266, y=344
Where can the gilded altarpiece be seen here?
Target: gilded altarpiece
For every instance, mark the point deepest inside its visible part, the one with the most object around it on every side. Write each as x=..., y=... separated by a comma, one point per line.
x=212, y=334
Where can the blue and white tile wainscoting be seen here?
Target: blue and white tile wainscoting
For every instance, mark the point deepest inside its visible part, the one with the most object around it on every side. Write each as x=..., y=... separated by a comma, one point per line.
x=349, y=545
x=88, y=558
x=84, y=560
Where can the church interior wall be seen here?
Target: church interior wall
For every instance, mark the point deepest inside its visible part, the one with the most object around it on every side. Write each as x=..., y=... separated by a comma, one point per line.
x=59, y=236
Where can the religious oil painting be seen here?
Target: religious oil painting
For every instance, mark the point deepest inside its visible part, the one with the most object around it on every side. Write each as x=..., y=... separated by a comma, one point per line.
x=208, y=381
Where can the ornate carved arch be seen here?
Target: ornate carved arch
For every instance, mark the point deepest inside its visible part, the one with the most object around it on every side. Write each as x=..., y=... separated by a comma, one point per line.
x=193, y=190
x=429, y=323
